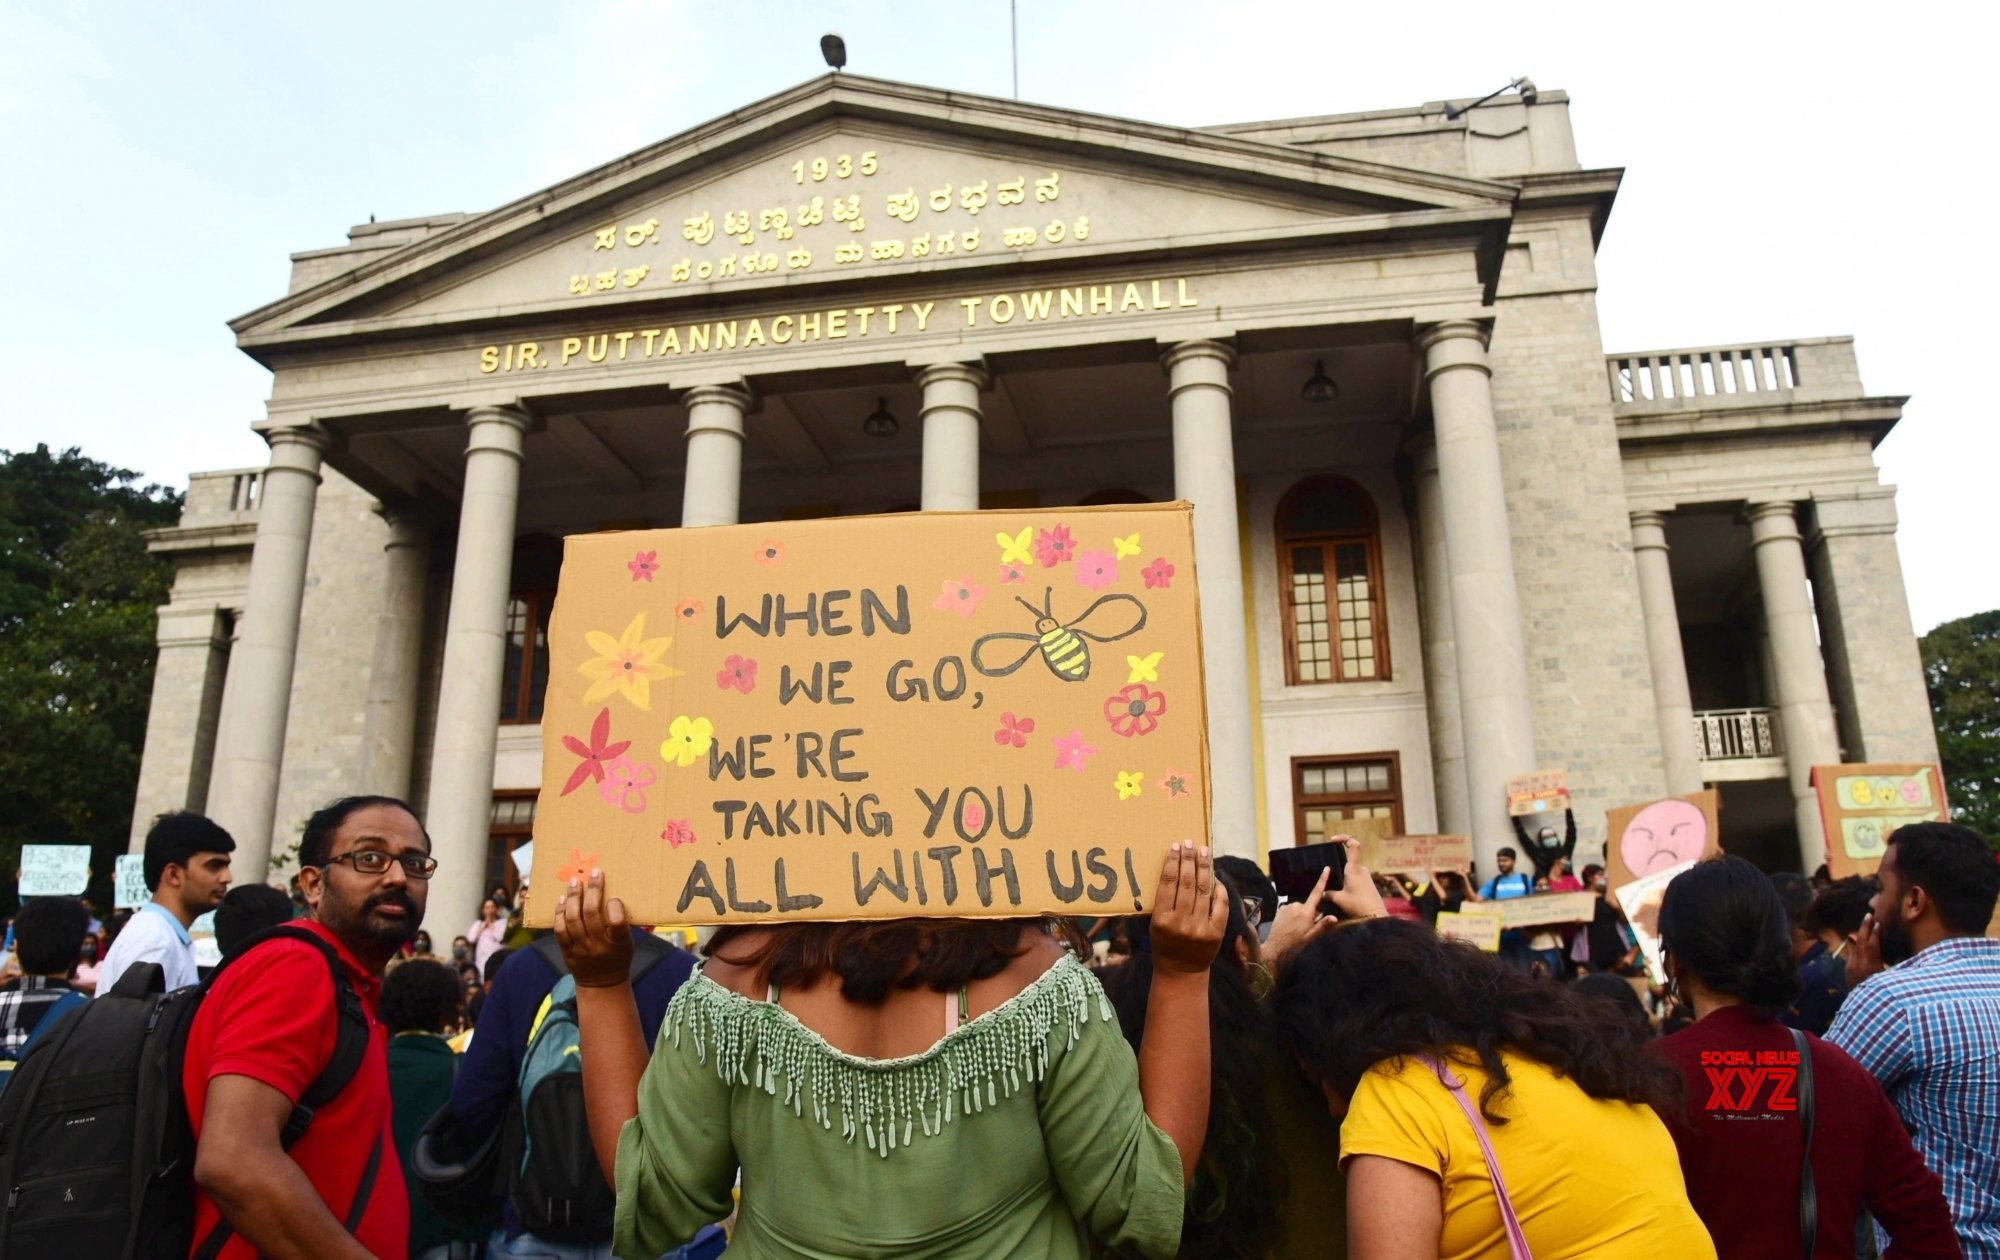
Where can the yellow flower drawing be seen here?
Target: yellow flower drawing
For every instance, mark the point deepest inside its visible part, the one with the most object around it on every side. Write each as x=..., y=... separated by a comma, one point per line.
x=687, y=739
x=627, y=664
x=1018, y=549
x=1126, y=546
x=1145, y=668
x=1128, y=783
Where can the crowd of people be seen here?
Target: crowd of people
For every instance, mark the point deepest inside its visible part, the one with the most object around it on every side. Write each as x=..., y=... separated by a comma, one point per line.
x=1229, y=1076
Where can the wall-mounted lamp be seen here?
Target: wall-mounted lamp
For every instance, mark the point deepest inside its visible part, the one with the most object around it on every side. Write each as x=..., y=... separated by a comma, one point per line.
x=1319, y=387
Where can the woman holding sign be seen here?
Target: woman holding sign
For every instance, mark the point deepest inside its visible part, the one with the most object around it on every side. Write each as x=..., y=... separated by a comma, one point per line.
x=901, y=1087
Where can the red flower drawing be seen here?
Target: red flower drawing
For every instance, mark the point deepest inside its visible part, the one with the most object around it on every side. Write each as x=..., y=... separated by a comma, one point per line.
x=1135, y=710
x=578, y=867
x=1158, y=574
x=644, y=565
x=679, y=831
x=594, y=754
x=1012, y=575
x=1014, y=731
x=738, y=673
x=1053, y=546
x=1096, y=569
x=961, y=597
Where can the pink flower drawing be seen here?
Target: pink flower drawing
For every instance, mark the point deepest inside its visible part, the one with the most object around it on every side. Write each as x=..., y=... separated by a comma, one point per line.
x=1158, y=574
x=1054, y=546
x=1135, y=710
x=1096, y=569
x=1014, y=731
x=1012, y=575
x=644, y=565
x=625, y=783
x=961, y=597
x=678, y=831
x=738, y=673
x=594, y=754
x=1072, y=752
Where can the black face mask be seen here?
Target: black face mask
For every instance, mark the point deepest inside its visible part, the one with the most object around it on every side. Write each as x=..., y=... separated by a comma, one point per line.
x=460, y=953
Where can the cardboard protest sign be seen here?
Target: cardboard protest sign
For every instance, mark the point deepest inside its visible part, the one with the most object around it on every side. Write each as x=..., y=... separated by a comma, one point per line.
x=1417, y=855
x=130, y=891
x=1654, y=835
x=1540, y=908
x=54, y=870
x=1479, y=927
x=1640, y=900
x=1537, y=793
x=961, y=714
x=1859, y=806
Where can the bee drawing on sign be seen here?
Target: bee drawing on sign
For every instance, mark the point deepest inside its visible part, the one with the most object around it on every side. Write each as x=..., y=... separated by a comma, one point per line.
x=1062, y=645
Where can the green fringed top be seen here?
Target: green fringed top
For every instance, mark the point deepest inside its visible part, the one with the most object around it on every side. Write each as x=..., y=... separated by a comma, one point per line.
x=1020, y=1133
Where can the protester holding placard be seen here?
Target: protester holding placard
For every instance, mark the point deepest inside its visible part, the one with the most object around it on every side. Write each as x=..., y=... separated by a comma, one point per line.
x=1505, y=886
x=187, y=867
x=810, y=1057
x=1754, y=1103
x=1423, y=1048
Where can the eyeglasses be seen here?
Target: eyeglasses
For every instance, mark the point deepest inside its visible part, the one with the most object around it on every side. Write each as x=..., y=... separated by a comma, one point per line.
x=1253, y=911
x=376, y=862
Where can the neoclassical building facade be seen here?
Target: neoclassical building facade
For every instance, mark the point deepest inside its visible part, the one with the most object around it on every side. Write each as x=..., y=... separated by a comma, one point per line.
x=1442, y=537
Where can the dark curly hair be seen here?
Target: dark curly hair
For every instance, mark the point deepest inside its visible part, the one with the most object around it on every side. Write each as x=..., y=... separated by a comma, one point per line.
x=1239, y=1177
x=1386, y=989
x=1841, y=906
x=1725, y=922
x=419, y=994
x=874, y=957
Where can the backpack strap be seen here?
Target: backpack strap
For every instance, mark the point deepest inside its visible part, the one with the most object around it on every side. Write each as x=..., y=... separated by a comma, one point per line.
x=1510, y=1222
x=648, y=952
x=1808, y=1193
x=351, y=1035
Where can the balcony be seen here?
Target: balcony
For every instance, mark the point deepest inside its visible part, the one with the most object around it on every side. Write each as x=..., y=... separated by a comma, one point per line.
x=1706, y=378
x=219, y=513
x=1739, y=744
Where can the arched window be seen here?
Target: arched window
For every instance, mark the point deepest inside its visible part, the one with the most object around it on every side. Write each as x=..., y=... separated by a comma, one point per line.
x=1330, y=582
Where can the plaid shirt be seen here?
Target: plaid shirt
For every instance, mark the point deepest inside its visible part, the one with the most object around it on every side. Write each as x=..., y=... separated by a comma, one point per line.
x=23, y=1003
x=1929, y=1030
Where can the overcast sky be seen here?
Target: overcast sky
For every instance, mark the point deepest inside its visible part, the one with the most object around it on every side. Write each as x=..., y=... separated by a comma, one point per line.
x=1791, y=171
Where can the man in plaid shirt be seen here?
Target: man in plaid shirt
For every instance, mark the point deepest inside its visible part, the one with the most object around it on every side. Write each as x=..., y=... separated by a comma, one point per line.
x=1928, y=1028
x=48, y=937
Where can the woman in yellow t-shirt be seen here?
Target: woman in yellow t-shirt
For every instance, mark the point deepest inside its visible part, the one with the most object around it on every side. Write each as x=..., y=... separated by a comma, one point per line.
x=1383, y=1014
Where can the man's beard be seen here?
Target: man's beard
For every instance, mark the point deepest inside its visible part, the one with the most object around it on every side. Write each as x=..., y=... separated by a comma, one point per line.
x=1894, y=940
x=387, y=931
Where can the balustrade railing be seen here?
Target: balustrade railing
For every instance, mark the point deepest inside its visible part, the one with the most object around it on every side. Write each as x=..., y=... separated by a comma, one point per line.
x=1690, y=375
x=1736, y=734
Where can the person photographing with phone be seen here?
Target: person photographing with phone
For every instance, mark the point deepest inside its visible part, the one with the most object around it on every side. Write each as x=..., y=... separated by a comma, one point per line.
x=949, y=1088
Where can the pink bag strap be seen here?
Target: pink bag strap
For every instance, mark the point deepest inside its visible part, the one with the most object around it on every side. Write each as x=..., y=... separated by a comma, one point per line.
x=1517, y=1242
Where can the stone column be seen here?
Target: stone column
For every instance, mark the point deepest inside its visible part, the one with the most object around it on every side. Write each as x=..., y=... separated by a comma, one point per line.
x=257, y=695
x=1805, y=710
x=1872, y=661
x=389, y=724
x=1205, y=475
x=180, y=723
x=1671, y=701
x=1485, y=603
x=712, y=490
x=1441, y=698
x=951, y=436
x=460, y=803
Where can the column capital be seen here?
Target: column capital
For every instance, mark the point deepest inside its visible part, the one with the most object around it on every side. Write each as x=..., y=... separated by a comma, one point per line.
x=1455, y=343
x=308, y=434
x=737, y=396
x=1649, y=531
x=1850, y=515
x=408, y=523
x=489, y=413
x=971, y=373
x=1190, y=351
x=1774, y=521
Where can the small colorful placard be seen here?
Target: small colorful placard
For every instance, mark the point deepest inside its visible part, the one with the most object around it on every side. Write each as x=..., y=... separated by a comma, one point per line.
x=130, y=890
x=1540, y=908
x=1537, y=793
x=1655, y=835
x=54, y=870
x=937, y=714
x=1479, y=927
x=1640, y=900
x=1859, y=806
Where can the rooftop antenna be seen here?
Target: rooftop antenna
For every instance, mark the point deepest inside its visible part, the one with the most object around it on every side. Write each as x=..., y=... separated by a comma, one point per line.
x=834, y=49
x=1524, y=85
x=1014, y=26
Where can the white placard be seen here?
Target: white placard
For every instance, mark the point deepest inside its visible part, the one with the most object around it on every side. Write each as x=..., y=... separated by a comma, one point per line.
x=202, y=933
x=1640, y=900
x=131, y=882
x=524, y=859
x=54, y=870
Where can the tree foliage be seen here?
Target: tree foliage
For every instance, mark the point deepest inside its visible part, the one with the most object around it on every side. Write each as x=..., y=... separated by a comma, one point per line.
x=1962, y=671
x=78, y=590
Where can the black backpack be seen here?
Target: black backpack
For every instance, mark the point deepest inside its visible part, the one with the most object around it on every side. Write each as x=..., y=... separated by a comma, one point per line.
x=557, y=1189
x=96, y=1151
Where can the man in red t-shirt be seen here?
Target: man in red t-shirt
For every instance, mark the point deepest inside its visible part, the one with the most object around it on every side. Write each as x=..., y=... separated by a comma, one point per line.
x=266, y=1031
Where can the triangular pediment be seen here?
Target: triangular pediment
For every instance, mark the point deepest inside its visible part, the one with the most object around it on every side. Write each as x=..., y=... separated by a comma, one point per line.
x=844, y=179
